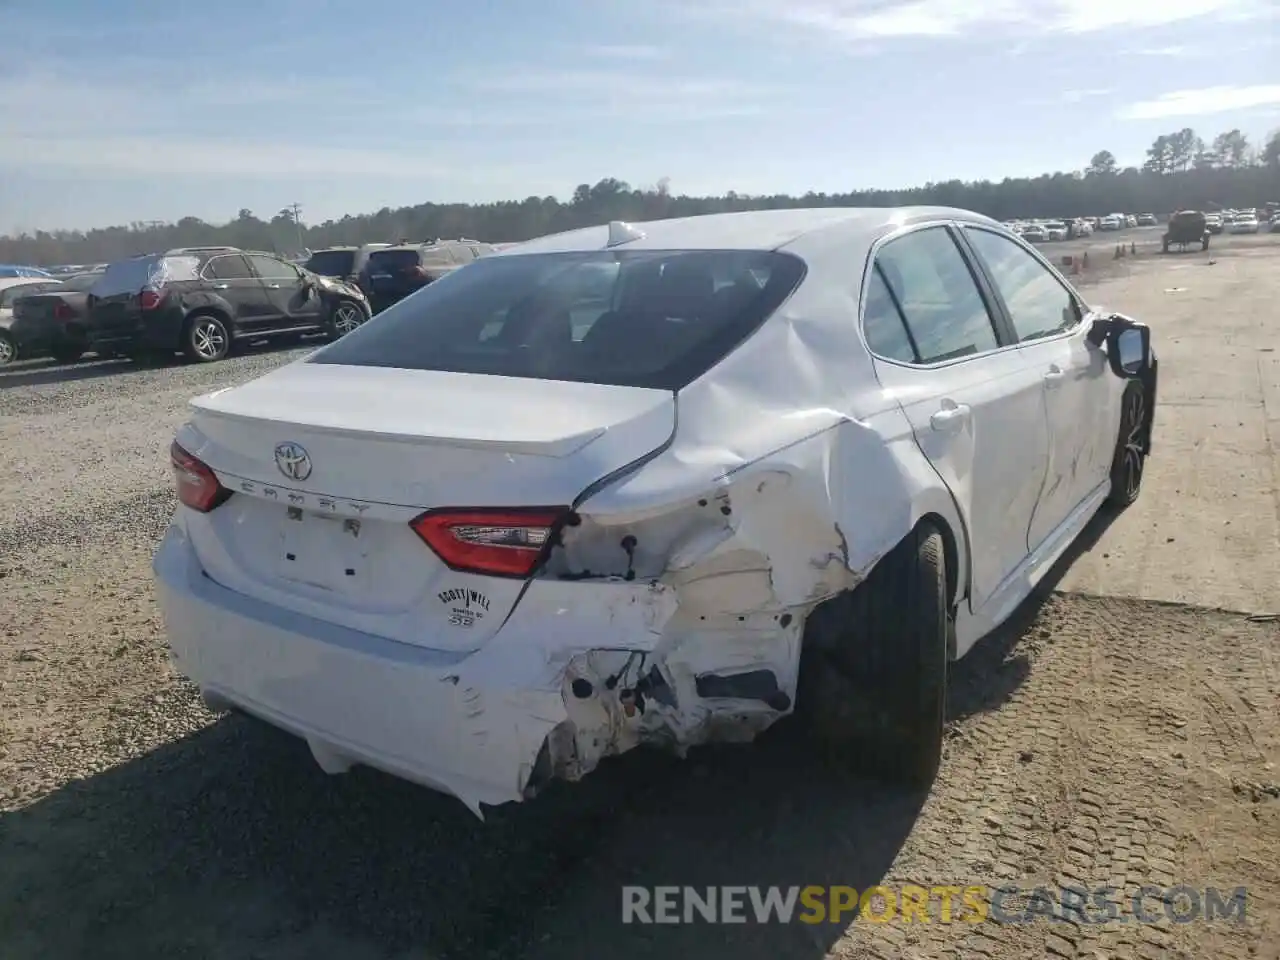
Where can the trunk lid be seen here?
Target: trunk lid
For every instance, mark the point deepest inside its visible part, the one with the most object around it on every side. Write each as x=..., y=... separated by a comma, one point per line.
x=385, y=445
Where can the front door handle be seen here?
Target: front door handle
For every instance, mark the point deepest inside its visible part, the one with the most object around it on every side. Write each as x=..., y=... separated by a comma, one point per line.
x=951, y=417
x=221, y=286
x=273, y=286
x=1054, y=376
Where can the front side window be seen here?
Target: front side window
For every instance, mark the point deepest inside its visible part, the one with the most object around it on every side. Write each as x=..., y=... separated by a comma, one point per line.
x=269, y=268
x=1038, y=303
x=938, y=296
x=630, y=318
x=227, y=268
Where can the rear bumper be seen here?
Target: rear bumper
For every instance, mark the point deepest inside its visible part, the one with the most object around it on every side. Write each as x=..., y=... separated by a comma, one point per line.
x=446, y=720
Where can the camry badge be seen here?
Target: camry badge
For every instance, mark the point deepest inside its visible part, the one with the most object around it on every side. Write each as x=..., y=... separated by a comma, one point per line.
x=293, y=461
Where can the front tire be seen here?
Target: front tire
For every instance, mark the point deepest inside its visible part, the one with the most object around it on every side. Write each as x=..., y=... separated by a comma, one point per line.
x=8, y=349
x=873, y=672
x=1129, y=461
x=205, y=338
x=345, y=316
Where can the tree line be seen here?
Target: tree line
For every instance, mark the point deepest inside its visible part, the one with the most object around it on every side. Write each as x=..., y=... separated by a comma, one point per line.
x=1181, y=171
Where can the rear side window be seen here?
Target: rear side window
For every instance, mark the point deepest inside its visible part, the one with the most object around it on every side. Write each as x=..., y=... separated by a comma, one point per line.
x=636, y=318
x=883, y=323
x=130, y=276
x=332, y=263
x=1038, y=303
x=227, y=268
x=937, y=294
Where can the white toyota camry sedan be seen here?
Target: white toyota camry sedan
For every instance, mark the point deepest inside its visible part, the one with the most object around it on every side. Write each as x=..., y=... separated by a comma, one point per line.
x=656, y=483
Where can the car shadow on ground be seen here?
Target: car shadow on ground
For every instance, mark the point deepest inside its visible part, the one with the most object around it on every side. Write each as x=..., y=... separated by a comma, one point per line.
x=230, y=842
x=36, y=373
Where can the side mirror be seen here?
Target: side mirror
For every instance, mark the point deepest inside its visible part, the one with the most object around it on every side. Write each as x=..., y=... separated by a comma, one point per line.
x=1128, y=351
x=1128, y=345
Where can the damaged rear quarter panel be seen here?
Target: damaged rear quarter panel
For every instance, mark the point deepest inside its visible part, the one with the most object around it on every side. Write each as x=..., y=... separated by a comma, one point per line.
x=789, y=476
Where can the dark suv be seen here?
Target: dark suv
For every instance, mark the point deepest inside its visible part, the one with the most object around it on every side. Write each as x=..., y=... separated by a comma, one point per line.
x=342, y=263
x=199, y=300
x=391, y=274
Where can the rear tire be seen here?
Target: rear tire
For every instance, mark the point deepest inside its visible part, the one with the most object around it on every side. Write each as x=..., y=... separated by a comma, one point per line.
x=873, y=673
x=205, y=338
x=1128, y=463
x=8, y=349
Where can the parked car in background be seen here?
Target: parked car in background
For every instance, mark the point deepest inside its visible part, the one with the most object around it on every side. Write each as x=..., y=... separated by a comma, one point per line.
x=392, y=273
x=478, y=549
x=199, y=301
x=11, y=290
x=1035, y=233
x=342, y=263
x=1147, y=220
x=53, y=319
x=1273, y=225
x=1213, y=223
x=1244, y=223
x=16, y=271
x=1111, y=222
x=1055, y=230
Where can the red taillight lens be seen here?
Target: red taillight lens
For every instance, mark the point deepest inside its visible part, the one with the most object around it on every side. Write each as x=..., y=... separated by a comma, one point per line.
x=63, y=312
x=196, y=484
x=497, y=542
x=149, y=299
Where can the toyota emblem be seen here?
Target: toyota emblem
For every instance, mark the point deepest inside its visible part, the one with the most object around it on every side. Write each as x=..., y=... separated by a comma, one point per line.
x=294, y=461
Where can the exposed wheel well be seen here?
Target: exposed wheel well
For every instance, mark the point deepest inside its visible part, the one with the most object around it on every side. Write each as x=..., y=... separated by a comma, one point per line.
x=951, y=553
x=819, y=615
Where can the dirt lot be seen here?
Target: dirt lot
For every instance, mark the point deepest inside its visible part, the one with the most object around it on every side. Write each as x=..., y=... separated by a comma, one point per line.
x=1123, y=731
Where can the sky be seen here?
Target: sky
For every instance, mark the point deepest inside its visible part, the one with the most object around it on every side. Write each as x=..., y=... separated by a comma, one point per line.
x=145, y=110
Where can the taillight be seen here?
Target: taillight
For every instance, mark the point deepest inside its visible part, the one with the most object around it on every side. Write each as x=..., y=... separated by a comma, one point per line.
x=63, y=312
x=500, y=542
x=197, y=486
x=149, y=299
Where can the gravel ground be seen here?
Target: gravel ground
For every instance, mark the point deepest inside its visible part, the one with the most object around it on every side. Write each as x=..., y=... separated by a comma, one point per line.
x=1094, y=741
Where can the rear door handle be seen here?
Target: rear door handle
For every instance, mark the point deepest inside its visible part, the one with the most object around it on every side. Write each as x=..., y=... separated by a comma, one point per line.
x=951, y=417
x=1054, y=377
x=273, y=286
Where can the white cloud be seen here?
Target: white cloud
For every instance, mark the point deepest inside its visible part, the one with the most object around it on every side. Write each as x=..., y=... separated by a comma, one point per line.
x=129, y=125
x=862, y=20
x=1075, y=96
x=1201, y=102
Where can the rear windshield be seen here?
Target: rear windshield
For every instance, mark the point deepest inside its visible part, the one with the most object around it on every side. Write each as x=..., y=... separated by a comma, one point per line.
x=332, y=263
x=636, y=318
x=130, y=276
x=392, y=261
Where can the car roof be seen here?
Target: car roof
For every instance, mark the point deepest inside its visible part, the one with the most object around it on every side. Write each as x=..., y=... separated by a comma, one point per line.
x=749, y=230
